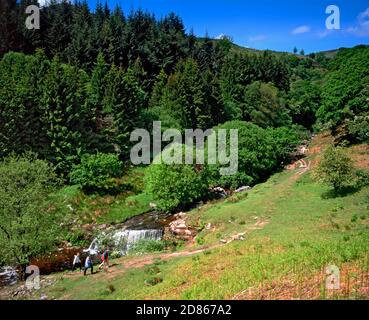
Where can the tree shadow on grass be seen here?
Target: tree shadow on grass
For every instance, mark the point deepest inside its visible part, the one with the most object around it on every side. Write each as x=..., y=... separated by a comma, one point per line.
x=342, y=192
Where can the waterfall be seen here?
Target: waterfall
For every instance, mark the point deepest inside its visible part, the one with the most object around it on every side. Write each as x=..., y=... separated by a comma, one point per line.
x=125, y=239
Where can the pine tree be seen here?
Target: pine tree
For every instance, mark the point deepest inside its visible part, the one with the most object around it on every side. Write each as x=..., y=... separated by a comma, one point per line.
x=80, y=51
x=183, y=103
x=97, y=87
x=117, y=26
x=65, y=115
x=171, y=42
x=158, y=89
x=58, y=22
x=124, y=99
x=213, y=99
x=21, y=79
x=204, y=54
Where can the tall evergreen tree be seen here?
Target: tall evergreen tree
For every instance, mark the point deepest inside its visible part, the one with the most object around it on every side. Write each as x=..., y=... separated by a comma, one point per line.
x=21, y=79
x=124, y=99
x=65, y=114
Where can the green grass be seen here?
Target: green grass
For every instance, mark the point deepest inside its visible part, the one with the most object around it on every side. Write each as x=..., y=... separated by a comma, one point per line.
x=126, y=208
x=304, y=233
x=103, y=209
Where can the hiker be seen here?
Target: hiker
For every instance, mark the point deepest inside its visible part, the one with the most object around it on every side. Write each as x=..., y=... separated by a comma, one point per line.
x=77, y=262
x=104, y=259
x=88, y=265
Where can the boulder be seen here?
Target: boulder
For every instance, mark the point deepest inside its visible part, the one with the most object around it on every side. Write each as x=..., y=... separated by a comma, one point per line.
x=178, y=227
x=219, y=192
x=244, y=188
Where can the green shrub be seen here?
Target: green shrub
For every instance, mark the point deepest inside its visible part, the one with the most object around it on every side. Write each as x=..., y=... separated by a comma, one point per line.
x=77, y=238
x=98, y=173
x=29, y=227
x=260, y=153
x=200, y=240
x=146, y=246
x=111, y=288
x=153, y=281
x=175, y=186
x=115, y=255
x=335, y=169
x=152, y=269
x=237, y=197
x=359, y=127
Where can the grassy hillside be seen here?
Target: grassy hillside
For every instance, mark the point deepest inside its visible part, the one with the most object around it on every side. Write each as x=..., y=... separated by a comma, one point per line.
x=285, y=232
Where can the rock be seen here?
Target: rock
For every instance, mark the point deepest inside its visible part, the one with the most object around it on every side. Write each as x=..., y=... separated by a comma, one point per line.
x=188, y=232
x=244, y=188
x=208, y=226
x=223, y=241
x=219, y=192
x=178, y=227
x=152, y=205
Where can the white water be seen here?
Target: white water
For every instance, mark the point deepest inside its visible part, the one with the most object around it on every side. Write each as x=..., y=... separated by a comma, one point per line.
x=8, y=276
x=125, y=239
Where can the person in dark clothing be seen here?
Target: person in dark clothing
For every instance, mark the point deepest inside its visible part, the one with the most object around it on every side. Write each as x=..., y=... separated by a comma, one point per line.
x=88, y=265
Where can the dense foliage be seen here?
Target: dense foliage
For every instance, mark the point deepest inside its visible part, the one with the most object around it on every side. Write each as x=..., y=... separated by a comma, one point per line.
x=345, y=93
x=27, y=226
x=98, y=173
x=74, y=91
x=335, y=168
x=260, y=153
x=174, y=186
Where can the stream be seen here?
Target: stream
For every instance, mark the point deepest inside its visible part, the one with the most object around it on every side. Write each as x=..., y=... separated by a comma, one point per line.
x=148, y=226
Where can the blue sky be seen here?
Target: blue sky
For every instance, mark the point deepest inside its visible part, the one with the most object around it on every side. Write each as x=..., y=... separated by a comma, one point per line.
x=266, y=24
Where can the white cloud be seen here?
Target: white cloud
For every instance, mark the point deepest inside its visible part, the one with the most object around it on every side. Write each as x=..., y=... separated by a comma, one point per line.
x=220, y=37
x=362, y=27
x=301, y=29
x=260, y=37
x=42, y=2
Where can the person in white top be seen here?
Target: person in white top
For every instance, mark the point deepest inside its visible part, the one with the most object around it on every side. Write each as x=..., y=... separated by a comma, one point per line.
x=77, y=262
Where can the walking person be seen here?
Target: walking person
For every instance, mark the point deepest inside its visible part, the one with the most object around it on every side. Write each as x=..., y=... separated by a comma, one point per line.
x=104, y=259
x=88, y=265
x=77, y=262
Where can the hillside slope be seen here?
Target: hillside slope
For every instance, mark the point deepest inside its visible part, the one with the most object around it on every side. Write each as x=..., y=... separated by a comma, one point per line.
x=276, y=244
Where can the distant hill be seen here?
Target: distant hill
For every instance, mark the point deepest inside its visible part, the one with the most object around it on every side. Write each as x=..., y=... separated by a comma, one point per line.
x=240, y=49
